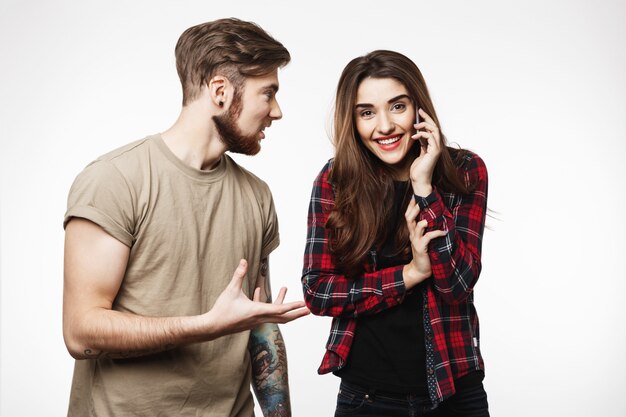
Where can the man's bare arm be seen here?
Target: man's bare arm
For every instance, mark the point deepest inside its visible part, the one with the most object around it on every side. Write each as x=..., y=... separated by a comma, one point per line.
x=269, y=358
x=95, y=264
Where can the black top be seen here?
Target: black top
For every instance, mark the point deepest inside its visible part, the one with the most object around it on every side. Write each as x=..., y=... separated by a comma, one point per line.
x=388, y=350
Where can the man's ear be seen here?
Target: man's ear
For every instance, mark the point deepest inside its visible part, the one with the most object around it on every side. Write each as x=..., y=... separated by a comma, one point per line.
x=219, y=90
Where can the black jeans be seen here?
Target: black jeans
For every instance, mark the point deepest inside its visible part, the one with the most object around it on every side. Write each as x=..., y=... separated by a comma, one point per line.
x=353, y=400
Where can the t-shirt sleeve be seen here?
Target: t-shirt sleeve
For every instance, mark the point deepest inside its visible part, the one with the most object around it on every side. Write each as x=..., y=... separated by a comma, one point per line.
x=101, y=194
x=271, y=237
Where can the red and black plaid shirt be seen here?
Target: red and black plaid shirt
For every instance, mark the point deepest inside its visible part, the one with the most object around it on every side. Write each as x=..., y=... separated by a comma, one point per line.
x=450, y=322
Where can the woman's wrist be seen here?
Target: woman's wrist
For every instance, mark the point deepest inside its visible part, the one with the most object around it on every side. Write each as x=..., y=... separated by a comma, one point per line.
x=412, y=276
x=422, y=189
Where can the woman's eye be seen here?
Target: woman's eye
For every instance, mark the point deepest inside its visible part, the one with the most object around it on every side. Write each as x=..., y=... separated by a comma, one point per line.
x=399, y=106
x=366, y=113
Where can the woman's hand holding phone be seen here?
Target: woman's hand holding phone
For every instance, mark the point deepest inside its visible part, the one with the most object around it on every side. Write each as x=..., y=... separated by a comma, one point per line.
x=421, y=171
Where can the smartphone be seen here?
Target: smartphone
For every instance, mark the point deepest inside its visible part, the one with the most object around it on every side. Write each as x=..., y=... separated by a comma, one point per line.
x=423, y=142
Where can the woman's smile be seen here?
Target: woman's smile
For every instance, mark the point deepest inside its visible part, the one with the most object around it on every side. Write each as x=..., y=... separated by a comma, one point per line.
x=389, y=143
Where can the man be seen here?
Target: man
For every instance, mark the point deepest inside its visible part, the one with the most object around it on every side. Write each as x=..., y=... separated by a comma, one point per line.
x=154, y=231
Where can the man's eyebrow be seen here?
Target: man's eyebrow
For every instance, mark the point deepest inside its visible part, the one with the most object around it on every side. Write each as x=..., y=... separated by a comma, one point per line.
x=273, y=87
x=368, y=105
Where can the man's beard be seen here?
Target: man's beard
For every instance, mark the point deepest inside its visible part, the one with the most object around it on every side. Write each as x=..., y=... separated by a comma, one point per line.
x=230, y=133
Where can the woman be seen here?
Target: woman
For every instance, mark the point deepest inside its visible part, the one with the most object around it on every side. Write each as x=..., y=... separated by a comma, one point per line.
x=393, y=250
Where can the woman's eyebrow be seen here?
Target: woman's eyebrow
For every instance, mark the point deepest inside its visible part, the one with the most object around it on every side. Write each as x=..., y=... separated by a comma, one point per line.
x=396, y=98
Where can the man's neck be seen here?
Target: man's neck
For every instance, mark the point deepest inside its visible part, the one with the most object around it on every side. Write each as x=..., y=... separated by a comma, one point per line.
x=194, y=139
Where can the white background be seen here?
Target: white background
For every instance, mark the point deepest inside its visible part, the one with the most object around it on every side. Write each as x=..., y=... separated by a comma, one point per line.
x=537, y=88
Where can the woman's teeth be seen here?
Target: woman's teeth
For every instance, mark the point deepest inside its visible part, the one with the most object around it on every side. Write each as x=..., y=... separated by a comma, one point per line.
x=388, y=141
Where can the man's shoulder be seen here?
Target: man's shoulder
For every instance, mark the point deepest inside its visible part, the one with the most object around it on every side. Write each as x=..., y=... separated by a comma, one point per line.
x=127, y=161
x=243, y=174
x=126, y=153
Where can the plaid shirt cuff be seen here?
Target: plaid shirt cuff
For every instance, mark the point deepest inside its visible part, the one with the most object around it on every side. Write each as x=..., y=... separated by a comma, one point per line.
x=425, y=202
x=400, y=288
x=431, y=209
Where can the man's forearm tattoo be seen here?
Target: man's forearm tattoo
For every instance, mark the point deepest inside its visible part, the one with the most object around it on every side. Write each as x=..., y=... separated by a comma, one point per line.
x=269, y=371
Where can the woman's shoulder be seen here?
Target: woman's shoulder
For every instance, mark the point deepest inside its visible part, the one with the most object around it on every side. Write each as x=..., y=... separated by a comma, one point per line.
x=328, y=165
x=468, y=161
x=471, y=167
x=325, y=171
x=322, y=186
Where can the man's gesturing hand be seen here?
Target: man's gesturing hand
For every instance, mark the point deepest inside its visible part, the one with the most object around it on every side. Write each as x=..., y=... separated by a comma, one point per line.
x=233, y=311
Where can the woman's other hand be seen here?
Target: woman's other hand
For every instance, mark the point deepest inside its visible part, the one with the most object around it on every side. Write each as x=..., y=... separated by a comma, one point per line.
x=419, y=268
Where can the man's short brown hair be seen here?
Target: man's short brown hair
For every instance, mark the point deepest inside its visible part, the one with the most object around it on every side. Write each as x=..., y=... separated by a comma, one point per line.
x=234, y=47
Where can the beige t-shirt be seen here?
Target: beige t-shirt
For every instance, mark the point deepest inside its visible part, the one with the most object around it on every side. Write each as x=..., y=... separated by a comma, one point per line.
x=187, y=230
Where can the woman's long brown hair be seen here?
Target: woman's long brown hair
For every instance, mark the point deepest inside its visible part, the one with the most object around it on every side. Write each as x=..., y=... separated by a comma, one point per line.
x=363, y=185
